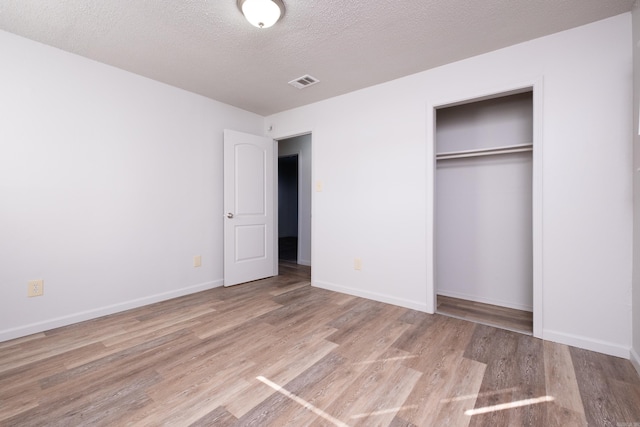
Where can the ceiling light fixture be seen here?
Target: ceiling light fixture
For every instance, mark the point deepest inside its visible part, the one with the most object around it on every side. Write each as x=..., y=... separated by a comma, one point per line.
x=261, y=13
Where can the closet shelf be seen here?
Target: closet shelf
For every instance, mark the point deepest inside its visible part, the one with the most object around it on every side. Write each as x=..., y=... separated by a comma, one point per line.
x=484, y=151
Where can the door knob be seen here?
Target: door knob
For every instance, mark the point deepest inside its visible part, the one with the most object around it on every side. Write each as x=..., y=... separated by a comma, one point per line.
x=229, y=215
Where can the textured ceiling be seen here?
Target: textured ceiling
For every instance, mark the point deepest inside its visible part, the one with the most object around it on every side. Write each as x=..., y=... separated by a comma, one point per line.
x=207, y=47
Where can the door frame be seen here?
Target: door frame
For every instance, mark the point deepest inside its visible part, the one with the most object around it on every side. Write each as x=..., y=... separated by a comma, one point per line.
x=536, y=86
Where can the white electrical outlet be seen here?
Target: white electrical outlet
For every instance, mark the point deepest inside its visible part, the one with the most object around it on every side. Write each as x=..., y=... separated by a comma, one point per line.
x=197, y=261
x=35, y=288
x=357, y=264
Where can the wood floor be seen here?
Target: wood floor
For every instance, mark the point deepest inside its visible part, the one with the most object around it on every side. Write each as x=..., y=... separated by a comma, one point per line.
x=278, y=352
x=492, y=315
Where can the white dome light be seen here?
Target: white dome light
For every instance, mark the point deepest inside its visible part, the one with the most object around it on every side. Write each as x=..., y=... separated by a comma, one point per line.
x=261, y=13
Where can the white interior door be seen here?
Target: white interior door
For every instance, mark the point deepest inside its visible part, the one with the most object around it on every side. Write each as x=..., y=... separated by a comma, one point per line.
x=248, y=208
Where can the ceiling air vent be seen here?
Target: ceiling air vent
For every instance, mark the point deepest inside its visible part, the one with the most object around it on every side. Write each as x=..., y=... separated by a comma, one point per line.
x=304, y=81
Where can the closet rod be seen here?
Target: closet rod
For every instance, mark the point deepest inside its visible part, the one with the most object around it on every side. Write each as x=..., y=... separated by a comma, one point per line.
x=485, y=152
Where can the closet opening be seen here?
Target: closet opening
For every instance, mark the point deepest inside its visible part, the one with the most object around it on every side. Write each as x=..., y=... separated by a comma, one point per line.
x=483, y=211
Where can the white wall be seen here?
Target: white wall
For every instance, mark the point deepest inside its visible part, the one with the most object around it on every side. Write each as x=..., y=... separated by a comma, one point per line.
x=110, y=183
x=301, y=145
x=369, y=152
x=635, y=351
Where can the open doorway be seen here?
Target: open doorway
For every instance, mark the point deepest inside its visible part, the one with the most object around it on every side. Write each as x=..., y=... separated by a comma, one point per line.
x=484, y=210
x=288, y=208
x=294, y=199
x=436, y=154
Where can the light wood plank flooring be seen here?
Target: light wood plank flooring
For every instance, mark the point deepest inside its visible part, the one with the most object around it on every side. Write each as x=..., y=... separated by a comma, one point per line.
x=278, y=352
x=492, y=315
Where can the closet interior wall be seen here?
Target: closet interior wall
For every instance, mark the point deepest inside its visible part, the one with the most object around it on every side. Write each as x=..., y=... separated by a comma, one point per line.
x=483, y=204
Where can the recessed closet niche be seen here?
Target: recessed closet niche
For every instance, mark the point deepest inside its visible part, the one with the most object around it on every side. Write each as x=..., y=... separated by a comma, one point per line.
x=483, y=211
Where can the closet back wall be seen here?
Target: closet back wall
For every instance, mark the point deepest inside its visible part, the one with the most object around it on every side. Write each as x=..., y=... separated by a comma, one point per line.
x=484, y=204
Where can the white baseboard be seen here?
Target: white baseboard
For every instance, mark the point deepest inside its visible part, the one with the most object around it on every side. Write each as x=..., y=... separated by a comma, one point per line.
x=33, y=328
x=483, y=300
x=304, y=262
x=372, y=296
x=635, y=360
x=587, y=343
